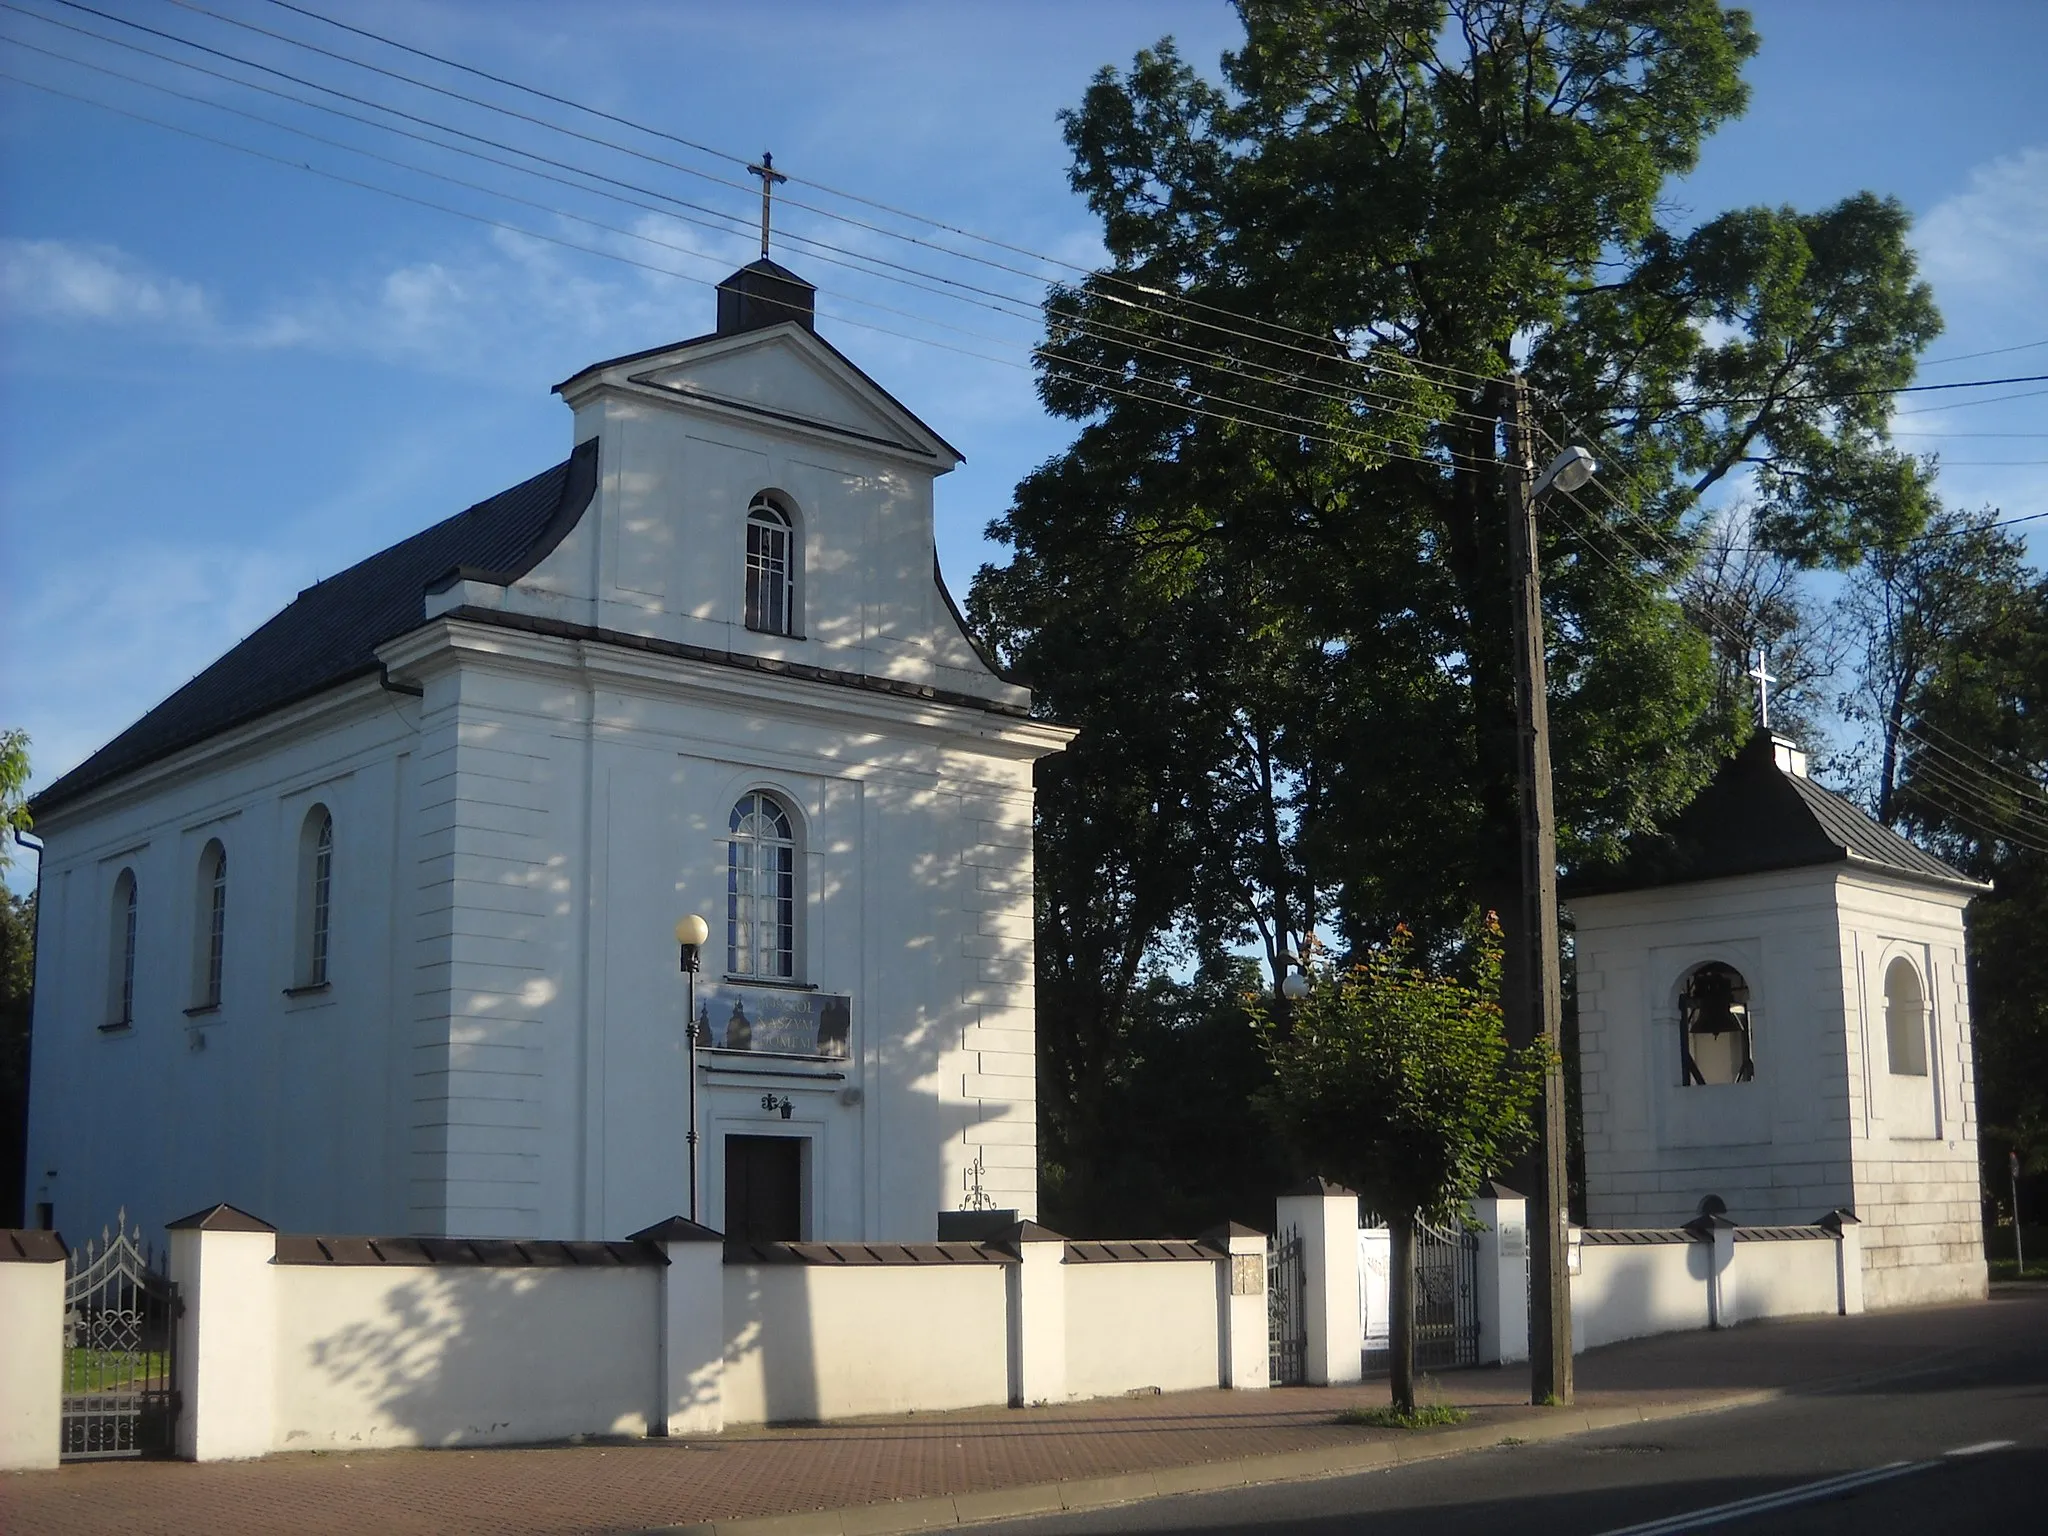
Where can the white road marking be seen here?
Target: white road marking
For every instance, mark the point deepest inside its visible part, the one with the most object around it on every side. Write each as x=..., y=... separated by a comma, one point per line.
x=1742, y=1509
x=1980, y=1448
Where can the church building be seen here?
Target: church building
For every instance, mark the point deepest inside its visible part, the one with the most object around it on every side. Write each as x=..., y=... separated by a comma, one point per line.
x=372, y=926
x=1774, y=1025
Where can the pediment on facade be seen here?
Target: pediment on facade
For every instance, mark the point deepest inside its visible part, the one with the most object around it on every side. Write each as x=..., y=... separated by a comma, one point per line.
x=782, y=373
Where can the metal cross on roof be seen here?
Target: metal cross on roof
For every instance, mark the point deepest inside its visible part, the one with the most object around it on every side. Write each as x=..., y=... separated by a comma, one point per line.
x=769, y=177
x=1763, y=678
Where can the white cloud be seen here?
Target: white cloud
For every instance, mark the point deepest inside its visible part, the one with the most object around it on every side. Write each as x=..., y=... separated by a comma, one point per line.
x=66, y=280
x=1994, y=235
x=111, y=637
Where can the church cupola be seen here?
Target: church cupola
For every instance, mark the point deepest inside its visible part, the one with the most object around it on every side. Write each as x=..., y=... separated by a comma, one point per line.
x=764, y=293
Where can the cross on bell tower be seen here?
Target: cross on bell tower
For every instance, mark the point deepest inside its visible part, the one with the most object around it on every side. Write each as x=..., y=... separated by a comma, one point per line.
x=1761, y=674
x=769, y=177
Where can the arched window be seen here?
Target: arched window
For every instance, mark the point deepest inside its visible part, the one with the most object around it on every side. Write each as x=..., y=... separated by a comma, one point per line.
x=771, y=567
x=210, y=951
x=1905, y=1019
x=1714, y=1026
x=760, y=891
x=121, y=954
x=316, y=888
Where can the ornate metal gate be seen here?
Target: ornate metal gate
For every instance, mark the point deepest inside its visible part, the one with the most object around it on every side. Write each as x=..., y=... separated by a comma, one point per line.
x=1446, y=1298
x=1446, y=1303
x=1286, y=1311
x=120, y=1341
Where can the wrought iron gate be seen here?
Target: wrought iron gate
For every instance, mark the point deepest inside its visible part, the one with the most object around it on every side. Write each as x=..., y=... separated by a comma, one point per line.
x=1286, y=1311
x=1446, y=1303
x=1446, y=1298
x=120, y=1343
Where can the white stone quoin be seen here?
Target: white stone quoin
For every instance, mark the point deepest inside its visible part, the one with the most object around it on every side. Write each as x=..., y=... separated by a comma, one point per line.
x=1834, y=1071
x=370, y=927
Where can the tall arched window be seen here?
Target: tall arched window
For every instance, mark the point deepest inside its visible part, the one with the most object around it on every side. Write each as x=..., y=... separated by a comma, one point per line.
x=316, y=889
x=771, y=567
x=121, y=956
x=760, y=891
x=1905, y=1019
x=210, y=951
x=1714, y=1026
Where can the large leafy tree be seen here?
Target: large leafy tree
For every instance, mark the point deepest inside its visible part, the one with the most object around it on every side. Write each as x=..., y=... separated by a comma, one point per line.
x=1269, y=577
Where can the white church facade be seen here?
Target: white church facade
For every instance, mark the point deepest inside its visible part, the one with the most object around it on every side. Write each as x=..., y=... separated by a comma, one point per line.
x=370, y=927
x=1774, y=1024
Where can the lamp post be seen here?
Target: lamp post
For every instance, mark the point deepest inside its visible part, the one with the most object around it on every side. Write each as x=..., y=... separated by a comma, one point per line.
x=1539, y=1007
x=691, y=932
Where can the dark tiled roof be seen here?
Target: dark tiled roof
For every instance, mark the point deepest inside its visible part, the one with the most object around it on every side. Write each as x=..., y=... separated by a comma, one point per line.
x=465, y=1252
x=1130, y=1253
x=1755, y=817
x=850, y=1253
x=19, y=1246
x=330, y=632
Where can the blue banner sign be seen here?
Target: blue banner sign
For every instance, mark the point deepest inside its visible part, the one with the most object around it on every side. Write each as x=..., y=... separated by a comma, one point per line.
x=775, y=1020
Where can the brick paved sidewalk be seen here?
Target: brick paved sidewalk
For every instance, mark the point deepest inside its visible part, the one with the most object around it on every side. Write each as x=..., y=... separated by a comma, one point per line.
x=753, y=1472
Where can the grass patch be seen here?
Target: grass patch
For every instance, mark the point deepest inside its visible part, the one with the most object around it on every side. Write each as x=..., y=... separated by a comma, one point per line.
x=2008, y=1269
x=1426, y=1416
x=107, y=1370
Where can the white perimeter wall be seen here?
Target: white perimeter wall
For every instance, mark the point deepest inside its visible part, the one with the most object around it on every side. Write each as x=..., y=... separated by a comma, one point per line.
x=31, y=1364
x=1135, y=1325
x=372, y=1356
x=1790, y=1278
x=1633, y=1291
x=825, y=1342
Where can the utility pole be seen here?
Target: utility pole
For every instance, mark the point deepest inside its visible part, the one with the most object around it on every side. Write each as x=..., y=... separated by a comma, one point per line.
x=1550, y=1302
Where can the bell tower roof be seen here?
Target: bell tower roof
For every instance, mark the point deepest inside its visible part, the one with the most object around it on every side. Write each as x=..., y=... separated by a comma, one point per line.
x=1759, y=813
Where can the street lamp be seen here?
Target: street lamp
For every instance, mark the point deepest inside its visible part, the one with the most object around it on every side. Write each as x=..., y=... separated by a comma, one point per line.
x=1568, y=472
x=691, y=934
x=1537, y=1001
x=1294, y=983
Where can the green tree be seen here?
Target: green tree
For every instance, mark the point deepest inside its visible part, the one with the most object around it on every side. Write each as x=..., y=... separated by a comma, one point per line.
x=17, y=980
x=17, y=996
x=1952, y=692
x=14, y=771
x=1269, y=580
x=1400, y=1083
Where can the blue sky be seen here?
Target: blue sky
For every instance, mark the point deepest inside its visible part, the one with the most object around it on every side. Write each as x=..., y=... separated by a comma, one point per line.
x=225, y=378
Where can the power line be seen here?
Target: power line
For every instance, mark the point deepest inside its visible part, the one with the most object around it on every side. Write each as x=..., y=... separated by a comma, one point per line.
x=1937, y=362
x=1394, y=407
x=2029, y=778
x=1322, y=342
x=1847, y=394
x=1322, y=351
x=1991, y=819
x=1964, y=405
x=1707, y=621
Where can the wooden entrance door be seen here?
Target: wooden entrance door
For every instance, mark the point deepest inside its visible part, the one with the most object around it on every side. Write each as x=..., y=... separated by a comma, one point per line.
x=764, y=1189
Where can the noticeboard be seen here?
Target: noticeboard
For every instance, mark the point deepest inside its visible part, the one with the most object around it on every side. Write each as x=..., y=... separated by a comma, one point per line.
x=779, y=1021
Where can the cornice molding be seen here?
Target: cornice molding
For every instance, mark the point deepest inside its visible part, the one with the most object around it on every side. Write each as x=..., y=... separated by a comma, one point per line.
x=328, y=707
x=448, y=642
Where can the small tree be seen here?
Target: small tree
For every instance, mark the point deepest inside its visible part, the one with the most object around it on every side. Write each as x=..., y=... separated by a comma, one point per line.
x=1400, y=1082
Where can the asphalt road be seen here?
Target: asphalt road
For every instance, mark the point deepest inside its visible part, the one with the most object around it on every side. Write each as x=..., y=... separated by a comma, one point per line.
x=1959, y=1444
